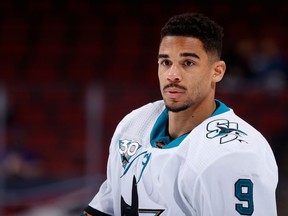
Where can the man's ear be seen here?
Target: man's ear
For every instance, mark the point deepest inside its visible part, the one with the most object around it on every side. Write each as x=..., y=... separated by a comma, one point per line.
x=219, y=71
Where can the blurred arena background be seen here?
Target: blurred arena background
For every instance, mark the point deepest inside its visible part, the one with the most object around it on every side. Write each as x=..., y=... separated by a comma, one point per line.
x=70, y=70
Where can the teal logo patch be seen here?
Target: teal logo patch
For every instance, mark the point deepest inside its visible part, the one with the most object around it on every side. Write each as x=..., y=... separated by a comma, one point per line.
x=127, y=149
x=128, y=152
x=227, y=131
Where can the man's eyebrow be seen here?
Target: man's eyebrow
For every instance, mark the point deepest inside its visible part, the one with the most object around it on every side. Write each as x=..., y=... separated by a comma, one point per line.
x=190, y=55
x=163, y=56
x=182, y=55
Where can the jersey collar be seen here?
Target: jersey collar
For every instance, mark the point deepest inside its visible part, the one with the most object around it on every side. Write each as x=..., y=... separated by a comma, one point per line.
x=159, y=137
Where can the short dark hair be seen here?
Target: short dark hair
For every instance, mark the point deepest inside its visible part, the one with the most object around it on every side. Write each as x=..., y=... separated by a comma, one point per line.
x=197, y=26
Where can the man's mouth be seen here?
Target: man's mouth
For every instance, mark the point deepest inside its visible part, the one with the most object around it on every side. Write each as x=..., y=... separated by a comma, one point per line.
x=173, y=92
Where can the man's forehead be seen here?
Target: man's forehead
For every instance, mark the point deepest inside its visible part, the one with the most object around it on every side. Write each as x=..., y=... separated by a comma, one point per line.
x=180, y=42
x=179, y=39
x=181, y=46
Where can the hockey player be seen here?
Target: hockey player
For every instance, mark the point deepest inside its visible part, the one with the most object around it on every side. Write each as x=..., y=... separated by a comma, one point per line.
x=188, y=154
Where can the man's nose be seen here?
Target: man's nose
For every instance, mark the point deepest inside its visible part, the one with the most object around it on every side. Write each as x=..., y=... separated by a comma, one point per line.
x=174, y=74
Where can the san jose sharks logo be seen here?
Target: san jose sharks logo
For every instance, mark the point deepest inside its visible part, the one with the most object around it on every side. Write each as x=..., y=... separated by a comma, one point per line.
x=226, y=130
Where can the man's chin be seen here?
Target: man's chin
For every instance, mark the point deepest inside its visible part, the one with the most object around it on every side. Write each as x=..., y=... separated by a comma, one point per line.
x=176, y=108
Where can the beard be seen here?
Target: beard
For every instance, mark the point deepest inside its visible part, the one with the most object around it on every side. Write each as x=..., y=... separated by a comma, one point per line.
x=174, y=107
x=178, y=108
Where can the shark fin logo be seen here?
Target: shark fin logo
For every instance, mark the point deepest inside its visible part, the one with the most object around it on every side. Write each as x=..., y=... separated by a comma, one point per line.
x=226, y=130
x=133, y=209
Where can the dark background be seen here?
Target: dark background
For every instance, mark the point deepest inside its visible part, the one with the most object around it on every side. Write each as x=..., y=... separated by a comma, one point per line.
x=71, y=70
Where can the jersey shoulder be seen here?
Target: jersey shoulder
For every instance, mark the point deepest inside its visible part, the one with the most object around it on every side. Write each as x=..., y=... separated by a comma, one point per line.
x=140, y=120
x=227, y=134
x=230, y=127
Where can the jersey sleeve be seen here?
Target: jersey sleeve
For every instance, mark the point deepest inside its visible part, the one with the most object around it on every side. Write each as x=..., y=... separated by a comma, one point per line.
x=103, y=200
x=89, y=211
x=236, y=184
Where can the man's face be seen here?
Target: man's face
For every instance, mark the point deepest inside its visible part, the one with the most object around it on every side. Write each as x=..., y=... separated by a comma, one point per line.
x=185, y=72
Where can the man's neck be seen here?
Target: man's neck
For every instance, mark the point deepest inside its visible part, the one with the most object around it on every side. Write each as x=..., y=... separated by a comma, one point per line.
x=180, y=123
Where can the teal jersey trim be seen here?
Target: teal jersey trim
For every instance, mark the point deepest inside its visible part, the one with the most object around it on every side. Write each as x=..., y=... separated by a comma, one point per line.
x=159, y=132
x=221, y=108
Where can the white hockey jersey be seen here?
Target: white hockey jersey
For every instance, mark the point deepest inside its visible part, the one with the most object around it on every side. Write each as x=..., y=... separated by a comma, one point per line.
x=223, y=167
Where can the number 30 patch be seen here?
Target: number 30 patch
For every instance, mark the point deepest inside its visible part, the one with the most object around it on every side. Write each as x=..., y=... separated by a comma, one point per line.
x=244, y=193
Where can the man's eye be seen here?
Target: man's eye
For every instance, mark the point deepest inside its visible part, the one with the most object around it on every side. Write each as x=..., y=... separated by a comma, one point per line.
x=166, y=63
x=188, y=63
